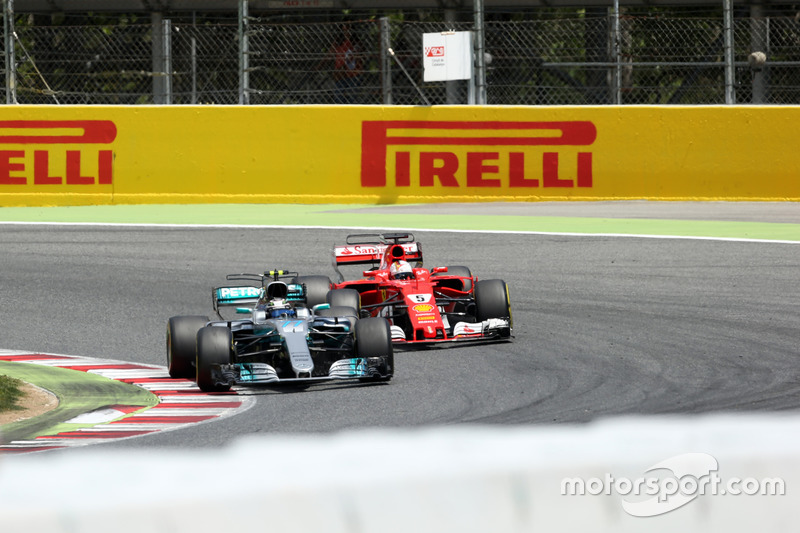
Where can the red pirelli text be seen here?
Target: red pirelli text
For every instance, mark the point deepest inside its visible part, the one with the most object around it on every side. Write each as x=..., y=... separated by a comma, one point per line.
x=494, y=156
x=20, y=167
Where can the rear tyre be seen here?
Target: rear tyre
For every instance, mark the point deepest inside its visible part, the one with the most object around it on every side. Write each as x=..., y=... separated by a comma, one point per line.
x=374, y=339
x=317, y=288
x=182, y=343
x=492, y=301
x=345, y=298
x=214, y=347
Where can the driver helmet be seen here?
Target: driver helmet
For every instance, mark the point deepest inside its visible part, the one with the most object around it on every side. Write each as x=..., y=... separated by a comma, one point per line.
x=401, y=270
x=279, y=307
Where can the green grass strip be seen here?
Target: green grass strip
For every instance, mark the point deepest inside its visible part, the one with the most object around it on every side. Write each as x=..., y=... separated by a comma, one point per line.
x=78, y=392
x=331, y=215
x=9, y=393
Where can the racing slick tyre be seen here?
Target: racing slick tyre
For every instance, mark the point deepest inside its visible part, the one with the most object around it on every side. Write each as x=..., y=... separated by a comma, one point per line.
x=492, y=301
x=345, y=298
x=214, y=345
x=181, y=344
x=374, y=339
x=317, y=288
x=460, y=271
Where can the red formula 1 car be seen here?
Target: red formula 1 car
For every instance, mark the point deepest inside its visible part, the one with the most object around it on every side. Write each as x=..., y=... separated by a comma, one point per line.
x=445, y=304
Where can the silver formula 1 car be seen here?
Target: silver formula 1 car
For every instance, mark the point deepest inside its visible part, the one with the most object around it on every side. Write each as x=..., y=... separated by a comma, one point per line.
x=296, y=330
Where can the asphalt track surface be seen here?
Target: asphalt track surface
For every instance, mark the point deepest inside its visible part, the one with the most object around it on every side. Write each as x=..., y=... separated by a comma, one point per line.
x=604, y=325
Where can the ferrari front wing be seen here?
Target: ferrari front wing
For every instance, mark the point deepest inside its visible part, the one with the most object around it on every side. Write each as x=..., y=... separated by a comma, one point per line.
x=491, y=329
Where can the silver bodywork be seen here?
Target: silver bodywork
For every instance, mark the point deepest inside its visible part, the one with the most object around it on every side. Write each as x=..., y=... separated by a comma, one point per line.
x=294, y=348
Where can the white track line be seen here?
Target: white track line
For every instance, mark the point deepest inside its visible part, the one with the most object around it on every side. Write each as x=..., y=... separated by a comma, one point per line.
x=406, y=228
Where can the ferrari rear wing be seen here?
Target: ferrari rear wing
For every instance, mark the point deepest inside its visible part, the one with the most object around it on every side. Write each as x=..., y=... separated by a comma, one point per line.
x=368, y=249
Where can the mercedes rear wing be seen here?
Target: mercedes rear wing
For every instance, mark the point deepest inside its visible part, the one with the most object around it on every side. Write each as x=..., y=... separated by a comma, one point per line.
x=248, y=295
x=235, y=296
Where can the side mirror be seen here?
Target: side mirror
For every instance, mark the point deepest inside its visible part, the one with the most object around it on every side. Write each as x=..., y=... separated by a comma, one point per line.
x=243, y=310
x=439, y=270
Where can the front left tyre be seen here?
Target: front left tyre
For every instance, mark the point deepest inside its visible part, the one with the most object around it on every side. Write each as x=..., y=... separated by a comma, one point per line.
x=374, y=340
x=214, y=348
x=181, y=344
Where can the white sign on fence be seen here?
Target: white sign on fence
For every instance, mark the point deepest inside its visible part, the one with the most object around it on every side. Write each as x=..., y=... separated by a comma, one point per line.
x=447, y=56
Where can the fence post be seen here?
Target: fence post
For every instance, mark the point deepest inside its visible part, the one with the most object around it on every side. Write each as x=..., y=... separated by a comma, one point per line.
x=758, y=43
x=451, y=86
x=480, y=59
x=167, y=29
x=157, y=30
x=244, y=51
x=194, y=69
x=617, y=79
x=10, y=59
x=730, y=73
x=386, y=64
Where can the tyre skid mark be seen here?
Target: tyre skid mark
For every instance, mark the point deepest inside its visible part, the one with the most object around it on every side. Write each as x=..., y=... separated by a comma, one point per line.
x=180, y=403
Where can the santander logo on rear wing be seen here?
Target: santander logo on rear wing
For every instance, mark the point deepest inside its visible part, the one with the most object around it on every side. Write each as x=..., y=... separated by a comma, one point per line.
x=362, y=254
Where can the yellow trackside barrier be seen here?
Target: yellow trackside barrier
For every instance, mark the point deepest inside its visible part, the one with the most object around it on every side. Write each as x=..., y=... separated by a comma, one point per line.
x=82, y=155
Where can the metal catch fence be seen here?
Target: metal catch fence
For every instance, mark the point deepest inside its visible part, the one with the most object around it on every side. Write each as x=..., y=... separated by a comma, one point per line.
x=636, y=56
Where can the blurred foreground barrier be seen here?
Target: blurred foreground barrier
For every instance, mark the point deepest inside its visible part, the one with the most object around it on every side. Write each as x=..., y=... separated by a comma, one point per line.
x=708, y=473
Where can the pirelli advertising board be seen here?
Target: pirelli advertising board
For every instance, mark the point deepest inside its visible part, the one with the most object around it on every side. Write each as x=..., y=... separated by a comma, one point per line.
x=371, y=154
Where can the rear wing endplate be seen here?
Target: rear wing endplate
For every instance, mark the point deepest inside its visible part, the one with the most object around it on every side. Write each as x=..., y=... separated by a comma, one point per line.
x=235, y=296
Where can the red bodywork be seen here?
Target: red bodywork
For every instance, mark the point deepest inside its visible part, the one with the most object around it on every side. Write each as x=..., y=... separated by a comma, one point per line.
x=416, y=305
